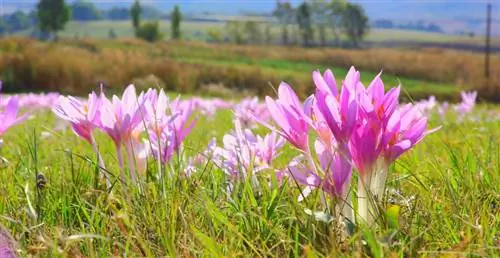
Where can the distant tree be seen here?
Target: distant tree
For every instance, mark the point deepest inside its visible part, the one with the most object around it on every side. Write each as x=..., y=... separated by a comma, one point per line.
x=17, y=21
x=253, y=32
x=284, y=13
x=320, y=18
x=82, y=10
x=53, y=15
x=33, y=18
x=336, y=9
x=268, y=33
x=235, y=32
x=149, y=12
x=384, y=24
x=112, y=34
x=305, y=23
x=118, y=14
x=135, y=13
x=149, y=31
x=355, y=23
x=432, y=27
x=3, y=28
x=176, y=22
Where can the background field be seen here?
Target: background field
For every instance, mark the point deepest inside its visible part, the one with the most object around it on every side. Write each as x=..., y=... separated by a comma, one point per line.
x=197, y=30
x=189, y=67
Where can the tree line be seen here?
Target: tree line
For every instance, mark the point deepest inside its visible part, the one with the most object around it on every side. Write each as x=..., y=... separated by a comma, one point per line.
x=313, y=22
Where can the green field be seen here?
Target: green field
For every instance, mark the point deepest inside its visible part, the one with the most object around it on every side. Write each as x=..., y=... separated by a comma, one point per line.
x=451, y=178
x=189, y=65
x=198, y=31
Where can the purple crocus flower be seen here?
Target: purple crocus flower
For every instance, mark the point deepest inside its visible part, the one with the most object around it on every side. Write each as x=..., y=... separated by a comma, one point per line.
x=249, y=109
x=334, y=176
x=9, y=116
x=82, y=115
x=467, y=104
x=405, y=128
x=168, y=124
x=7, y=244
x=339, y=111
x=244, y=153
x=287, y=112
x=121, y=119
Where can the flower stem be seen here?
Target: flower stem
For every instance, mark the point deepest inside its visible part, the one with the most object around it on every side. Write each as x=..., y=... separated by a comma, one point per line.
x=312, y=165
x=122, y=169
x=100, y=161
x=131, y=162
x=365, y=202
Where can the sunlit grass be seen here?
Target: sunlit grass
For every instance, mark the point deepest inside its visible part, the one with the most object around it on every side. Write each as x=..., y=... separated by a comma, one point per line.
x=450, y=182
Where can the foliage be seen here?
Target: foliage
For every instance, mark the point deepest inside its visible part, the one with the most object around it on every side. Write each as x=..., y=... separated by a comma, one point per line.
x=83, y=10
x=214, y=35
x=16, y=21
x=355, y=23
x=118, y=14
x=252, y=30
x=284, y=12
x=149, y=31
x=321, y=18
x=53, y=15
x=112, y=34
x=176, y=18
x=135, y=13
x=305, y=23
x=236, y=32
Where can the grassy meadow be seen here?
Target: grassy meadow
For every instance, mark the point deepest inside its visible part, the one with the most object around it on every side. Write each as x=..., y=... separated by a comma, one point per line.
x=187, y=67
x=446, y=191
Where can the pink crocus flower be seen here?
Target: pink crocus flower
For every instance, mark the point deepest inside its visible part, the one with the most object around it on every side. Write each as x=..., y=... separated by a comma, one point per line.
x=243, y=154
x=334, y=176
x=9, y=115
x=376, y=106
x=120, y=118
x=406, y=127
x=287, y=112
x=467, y=104
x=183, y=122
x=7, y=244
x=249, y=109
x=82, y=115
x=442, y=110
x=168, y=124
x=339, y=111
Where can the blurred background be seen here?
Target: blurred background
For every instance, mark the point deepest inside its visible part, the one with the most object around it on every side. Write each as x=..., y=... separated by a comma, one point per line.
x=230, y=48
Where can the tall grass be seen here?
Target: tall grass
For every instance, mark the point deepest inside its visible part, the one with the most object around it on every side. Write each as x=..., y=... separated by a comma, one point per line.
x=74, y=66
x=447, y=194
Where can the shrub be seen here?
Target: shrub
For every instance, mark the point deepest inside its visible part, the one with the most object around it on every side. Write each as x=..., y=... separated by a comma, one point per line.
x=149, y=31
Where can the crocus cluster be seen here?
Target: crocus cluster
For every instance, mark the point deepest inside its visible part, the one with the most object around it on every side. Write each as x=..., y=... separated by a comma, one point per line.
x=125, y=119
x=358, y=126
x=429, y=106
x=249, y=110
x=467, y=104
x=243, y=153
